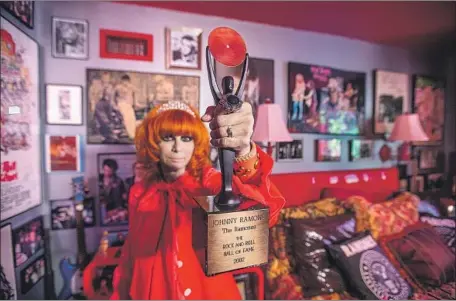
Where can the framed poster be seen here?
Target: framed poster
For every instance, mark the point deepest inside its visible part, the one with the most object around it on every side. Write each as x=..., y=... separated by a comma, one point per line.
x=361, y=149
x=24, y=11
x=7, y=274
x=328, y=150
x=325, y=100
x=183, y=48
x=116, y=44
x=289, y=151
x=129, y=96
x=63, y=104
x=31, y=274
x=28, y=239
x=70, y=38
x=20, y=117
x=429, y=103
x=116, y=175
x=64, y=153
x=63, y=214
x=391, y=98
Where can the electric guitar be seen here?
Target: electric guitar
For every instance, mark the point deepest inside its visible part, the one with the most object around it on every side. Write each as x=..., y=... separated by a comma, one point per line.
x=72, y=273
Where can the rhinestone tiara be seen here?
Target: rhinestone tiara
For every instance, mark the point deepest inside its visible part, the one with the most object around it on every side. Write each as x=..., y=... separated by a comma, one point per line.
x=176, y=105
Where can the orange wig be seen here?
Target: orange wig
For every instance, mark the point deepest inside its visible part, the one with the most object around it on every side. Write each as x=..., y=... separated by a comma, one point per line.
x=174, y=122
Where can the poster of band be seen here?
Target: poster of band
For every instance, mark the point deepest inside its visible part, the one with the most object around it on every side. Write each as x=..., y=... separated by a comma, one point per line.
x=20, y=125
x=325, y=100
x=119, y=100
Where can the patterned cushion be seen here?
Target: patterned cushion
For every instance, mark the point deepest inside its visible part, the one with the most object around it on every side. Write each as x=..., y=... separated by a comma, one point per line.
x=385, y=218
x=445, y=227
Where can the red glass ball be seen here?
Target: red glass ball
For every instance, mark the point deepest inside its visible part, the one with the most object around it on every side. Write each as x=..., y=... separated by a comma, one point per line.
x=227, y=46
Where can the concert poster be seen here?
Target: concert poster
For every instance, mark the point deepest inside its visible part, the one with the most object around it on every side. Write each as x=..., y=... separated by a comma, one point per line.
x=64, y=153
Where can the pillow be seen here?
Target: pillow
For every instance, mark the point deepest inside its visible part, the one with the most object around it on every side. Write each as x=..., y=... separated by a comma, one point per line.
x=445, y=227
x=317, y=274
x=345, y=193
x=369, y=272
x=426, y=207
x=421, y=253
x=385, y=218
x=321, y=208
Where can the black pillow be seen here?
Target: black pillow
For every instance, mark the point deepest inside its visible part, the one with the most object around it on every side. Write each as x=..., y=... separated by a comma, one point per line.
x=445, y=227
x=369, y=272
x=319, y=276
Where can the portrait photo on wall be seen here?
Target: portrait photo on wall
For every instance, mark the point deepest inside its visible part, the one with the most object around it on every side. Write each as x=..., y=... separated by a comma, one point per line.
x=24, y=11
x=183, y=48
x=289, y=150
x=33, y=273
x=391, y=99
x=63, y=214
x=64, y=153
x=328, y=150
x=429, y=103
x=63, y=104
x=8, y=289
x=117, y=173
x=361, y=149
x=117, y=101
x=325, y=100
x=70, y=38
x=28, y=240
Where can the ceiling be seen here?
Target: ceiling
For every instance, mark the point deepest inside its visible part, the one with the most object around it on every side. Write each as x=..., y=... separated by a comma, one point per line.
x=406, y=24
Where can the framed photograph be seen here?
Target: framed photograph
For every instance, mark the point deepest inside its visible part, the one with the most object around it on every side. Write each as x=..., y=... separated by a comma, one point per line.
x=183, y=48
x=129, y=96
x=324, y=100
x=102, y=281
x=117, y=238
x=63, y=104
x=404, y=184
x=28, y=240
x=328, y=150
x=24, y=11
x=429, y=158
x=289, y=150
x=64, y=153
x=20, y=148
x=417, y=184
x=115, y=44
x=435, y=181
x=33, y=273
x=70, y=38
x=7, y=274
x=63, y=214
x=116, y=174
x=361, y=150
x=429, y=103
x=391, y=99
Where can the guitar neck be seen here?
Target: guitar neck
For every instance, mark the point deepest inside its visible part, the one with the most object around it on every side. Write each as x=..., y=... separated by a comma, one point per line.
x=80, y=233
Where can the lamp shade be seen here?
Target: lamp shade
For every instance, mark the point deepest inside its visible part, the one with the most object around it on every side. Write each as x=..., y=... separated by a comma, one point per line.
x=270, y=126
x=407, y=127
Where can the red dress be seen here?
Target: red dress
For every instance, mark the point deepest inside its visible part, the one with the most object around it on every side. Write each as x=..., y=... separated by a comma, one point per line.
x=158, y=259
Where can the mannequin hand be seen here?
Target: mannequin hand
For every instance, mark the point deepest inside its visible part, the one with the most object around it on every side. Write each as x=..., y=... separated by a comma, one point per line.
x=240, y=124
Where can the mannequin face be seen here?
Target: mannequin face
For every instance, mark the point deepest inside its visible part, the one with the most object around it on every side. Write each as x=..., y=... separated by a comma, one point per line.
x=175, y=153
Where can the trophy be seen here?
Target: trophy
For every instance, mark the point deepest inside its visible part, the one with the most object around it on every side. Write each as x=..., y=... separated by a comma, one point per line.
x=233, y=239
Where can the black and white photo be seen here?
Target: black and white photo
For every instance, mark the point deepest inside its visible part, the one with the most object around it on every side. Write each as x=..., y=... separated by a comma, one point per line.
x=289, y=150
x=7, y=276
x=63, y=104
x=183, y=48
x=70, y=38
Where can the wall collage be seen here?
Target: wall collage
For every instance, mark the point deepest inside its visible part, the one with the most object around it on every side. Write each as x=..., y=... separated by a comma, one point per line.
x=321, y=100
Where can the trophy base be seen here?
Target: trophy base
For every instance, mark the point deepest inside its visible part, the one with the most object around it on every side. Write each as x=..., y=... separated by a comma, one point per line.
x=231, y=240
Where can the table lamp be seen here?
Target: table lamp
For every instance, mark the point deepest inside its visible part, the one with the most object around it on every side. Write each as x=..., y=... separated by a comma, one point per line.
x=270, y=125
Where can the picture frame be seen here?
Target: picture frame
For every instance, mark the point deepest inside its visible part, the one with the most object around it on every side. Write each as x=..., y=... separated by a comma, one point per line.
x=429, y=158
x=125, y=45
x=428, y=102
x=7, y=271
x=64, y=104
x=417, y=184
x=117, y=238
x=360, y=150
x=24, y=11
x=26, y=249
x=404, y=184
x=64, y=154
x=391, y=99
x=32, y=274
x=113, y=202
x=183, y=48
x=246, y=285
x=435, y=181
x=22, y=181
x=63, y=214
x=325, y=100
x=328, y=150
x=136, y=93
x=70, y=38
x=290, y=151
